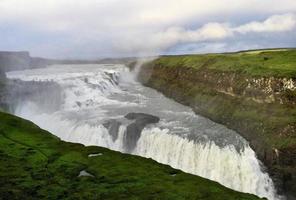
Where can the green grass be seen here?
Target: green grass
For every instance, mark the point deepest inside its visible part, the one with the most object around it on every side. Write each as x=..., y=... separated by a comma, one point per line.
x=37, y=165
x=279, y=63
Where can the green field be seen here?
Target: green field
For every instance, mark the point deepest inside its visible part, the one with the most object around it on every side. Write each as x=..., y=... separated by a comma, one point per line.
x=36, y=165
x=277, y=62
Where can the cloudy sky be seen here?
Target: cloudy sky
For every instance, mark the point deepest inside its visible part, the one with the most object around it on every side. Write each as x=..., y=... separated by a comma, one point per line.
x=111, y=28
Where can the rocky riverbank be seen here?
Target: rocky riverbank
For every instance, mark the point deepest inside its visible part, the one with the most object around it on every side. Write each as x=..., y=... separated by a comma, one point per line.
x=253, y=93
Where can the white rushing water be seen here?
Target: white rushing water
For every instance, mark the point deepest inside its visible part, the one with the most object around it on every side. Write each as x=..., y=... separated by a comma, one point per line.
x=75, y=101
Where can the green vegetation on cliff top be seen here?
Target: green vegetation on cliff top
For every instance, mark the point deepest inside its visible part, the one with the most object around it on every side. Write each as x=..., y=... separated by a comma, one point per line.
x=268, y=119
x=277, y=62
x=37, y=165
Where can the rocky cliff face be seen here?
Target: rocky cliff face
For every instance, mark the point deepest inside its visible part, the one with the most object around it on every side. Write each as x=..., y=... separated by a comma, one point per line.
x=262, y=109
x=19, y=60
x=14, y=60
x=258, y=89
x=2, y=90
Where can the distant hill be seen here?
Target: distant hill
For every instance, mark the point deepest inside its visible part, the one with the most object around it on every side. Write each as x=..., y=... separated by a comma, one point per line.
x=10, y=60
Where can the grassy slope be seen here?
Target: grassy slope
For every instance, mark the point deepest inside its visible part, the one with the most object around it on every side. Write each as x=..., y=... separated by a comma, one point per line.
x=36, y=165
x=279, y=63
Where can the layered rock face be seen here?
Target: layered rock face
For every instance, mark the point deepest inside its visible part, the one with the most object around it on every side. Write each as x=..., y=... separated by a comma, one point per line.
x=10, y=61
x=261, y=108
x=133, y=131
x=14, y=60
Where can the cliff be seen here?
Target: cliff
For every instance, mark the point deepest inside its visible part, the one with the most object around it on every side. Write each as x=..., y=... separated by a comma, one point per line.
x=12, y=60
x=37, y=165
x=253, y=93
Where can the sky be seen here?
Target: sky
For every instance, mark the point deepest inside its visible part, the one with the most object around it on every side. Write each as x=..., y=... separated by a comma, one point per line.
x=87, y=29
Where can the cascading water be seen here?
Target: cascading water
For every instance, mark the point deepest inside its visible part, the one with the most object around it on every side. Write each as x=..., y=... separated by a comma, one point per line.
x=87, y=104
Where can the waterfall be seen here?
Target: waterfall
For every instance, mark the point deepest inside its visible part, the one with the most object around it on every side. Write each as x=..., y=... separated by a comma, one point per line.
x=237, y=170
x=94, y=94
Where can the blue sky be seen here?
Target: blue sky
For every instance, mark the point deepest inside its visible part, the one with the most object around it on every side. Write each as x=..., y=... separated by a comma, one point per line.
x=112, y=28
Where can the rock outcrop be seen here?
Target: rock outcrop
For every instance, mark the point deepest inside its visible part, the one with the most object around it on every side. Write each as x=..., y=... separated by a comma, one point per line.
x=113, y=128
x=133, y=130
x=10, y=61
x=14, y=60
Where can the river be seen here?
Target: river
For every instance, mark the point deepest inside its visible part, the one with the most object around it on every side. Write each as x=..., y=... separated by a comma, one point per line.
x=75, y=102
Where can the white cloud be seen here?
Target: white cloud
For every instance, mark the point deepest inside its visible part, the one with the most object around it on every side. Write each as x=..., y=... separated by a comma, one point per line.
x=276, y=23
x=128, y=13
x=159, y=41
x=141, y=26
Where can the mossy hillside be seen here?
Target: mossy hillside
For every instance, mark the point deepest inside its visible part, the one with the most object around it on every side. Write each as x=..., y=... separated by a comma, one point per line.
x=37, y=165
x=278, y=63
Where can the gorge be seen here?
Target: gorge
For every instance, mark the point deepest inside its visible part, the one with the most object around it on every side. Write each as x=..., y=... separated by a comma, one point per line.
x=109, y=105
x=76, y=102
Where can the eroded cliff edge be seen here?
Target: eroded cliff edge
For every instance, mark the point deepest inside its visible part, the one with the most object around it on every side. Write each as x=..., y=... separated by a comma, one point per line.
x=252, y=92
